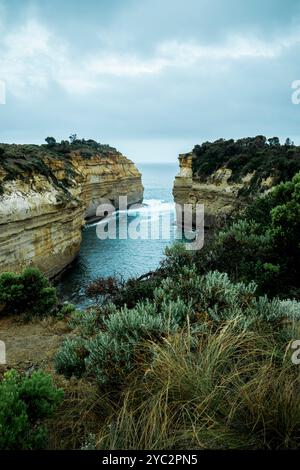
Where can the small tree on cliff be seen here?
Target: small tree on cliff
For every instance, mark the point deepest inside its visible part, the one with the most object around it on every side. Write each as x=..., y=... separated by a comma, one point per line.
x=50, y=141
x=72, y=138
x=274, y=141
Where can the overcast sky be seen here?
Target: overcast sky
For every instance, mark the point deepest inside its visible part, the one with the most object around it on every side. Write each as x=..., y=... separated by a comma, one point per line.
x=150, y=77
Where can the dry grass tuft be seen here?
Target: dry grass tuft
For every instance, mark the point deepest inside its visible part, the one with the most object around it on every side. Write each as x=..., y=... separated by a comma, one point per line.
x=223, y=387
x=228, y=389
x=79, y=414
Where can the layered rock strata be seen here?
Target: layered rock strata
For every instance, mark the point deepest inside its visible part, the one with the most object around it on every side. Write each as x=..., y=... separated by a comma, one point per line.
x=41, y=217
x=220, y=196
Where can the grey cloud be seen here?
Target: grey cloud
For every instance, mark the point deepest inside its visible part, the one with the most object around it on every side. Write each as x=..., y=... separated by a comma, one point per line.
x=228, y=75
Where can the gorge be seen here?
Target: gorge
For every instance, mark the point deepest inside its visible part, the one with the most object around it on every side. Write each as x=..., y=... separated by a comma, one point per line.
x=50, y=194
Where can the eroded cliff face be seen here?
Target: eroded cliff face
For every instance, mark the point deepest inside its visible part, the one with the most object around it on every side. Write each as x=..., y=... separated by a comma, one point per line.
x=41, y=217
x=221, y=197
x=107, y=178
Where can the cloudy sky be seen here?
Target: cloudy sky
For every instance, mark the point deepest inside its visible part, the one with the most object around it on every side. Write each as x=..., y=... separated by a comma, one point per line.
x=151, y=77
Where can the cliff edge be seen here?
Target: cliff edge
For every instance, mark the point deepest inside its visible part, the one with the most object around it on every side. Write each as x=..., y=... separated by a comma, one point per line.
x=48, y=192
x=226, y=174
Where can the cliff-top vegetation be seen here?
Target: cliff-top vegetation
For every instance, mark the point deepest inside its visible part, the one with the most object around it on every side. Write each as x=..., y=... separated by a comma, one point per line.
x=258, y=155
x=23, y=161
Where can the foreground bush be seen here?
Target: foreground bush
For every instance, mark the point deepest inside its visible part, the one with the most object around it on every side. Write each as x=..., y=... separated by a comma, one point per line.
x=215, y=386
x=110, y=343
x=70, y=360
x=29, y=292
x=120, y=292
x=263, y=246
x=114, y=352
x=24, y=402
x=206, y=364
x=115, y=344
x=223, y=389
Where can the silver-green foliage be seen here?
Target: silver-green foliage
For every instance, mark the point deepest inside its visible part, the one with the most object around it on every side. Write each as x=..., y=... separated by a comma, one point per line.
x=215, y=294
x=109, y=345
x=285, y=314
x=70, y=359
x=113, y=352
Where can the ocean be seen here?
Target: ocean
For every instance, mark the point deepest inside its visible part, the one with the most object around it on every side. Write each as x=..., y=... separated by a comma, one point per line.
x=127, y=257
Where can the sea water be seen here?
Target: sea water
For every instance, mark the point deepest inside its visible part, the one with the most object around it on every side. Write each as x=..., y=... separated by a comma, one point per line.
x=129, y=257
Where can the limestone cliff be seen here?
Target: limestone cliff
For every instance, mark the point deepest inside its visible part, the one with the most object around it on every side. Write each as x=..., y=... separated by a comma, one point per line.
x=226, y=175
x=47, y=197
x=220, y=198
x=226, y=186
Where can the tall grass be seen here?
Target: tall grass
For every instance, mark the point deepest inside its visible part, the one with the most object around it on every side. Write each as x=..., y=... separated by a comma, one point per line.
x=225, y=388
x=78, y=415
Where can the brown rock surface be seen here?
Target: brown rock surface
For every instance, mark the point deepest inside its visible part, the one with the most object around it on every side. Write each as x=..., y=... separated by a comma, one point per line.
x=41, y=222
x=219, y=196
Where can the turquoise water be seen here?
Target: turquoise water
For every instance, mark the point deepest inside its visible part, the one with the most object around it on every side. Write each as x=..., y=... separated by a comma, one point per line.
x=127, y=257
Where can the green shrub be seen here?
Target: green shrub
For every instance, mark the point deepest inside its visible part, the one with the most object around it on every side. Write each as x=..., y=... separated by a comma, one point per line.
x=142, y=322
x=70, y=359
x=114, y=352
x=277, y=310
x=120, y=292
x=110, y=352
x=111, y=341
x=135, y=290
x=185, y=285
x=177, y=312
x=24, y=401
x=244, y=252
x=29, y=292
x=11, y=289
x=86, y=322
x=66, y=310
x=213, y=293
x=89, y=322
x=219, y=297
x=263, y=246
x=176, y=257
x=110, y=359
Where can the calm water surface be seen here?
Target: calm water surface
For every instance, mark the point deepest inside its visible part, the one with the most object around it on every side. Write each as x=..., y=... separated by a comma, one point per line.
x=128, y=257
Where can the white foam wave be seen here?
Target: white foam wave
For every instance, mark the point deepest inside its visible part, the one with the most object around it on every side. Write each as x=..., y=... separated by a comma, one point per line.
x=153, y=205
x=148, y=208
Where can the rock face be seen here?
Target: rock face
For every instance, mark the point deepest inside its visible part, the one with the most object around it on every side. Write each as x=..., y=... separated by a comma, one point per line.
x=225, y=175
x=220, y=197
x=41, y=218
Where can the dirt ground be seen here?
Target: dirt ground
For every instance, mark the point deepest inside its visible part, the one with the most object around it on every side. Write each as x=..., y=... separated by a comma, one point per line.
x=31, y=345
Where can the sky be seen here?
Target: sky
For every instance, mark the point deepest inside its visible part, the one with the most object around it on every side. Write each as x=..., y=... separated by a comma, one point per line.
x=150, y=77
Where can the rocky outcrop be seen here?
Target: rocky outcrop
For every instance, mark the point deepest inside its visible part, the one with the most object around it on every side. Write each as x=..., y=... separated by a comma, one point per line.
x=220, y=196
x=225, y=175
x=43, y=212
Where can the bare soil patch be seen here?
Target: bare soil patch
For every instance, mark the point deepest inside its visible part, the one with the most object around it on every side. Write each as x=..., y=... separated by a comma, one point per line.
x=31, y=345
